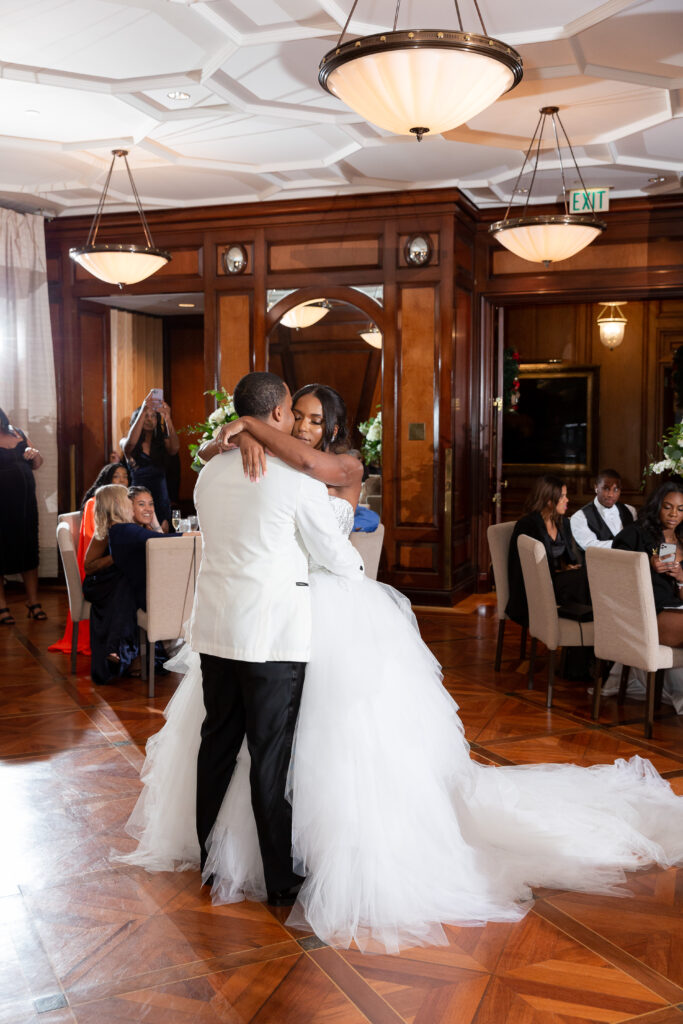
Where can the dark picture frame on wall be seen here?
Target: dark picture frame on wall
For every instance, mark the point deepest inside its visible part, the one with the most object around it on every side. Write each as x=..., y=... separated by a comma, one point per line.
x=553, y=428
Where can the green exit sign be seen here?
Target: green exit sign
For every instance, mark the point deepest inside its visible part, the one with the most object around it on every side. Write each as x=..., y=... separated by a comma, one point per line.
x=589, y=200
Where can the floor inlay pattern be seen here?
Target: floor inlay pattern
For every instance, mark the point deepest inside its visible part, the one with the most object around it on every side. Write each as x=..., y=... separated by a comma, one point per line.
x=87, y=940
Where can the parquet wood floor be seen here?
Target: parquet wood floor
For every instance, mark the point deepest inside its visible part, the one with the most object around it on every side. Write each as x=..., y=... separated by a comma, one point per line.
x=86, y=941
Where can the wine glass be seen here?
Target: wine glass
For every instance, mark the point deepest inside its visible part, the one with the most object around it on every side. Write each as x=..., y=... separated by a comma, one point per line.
x=175, y=518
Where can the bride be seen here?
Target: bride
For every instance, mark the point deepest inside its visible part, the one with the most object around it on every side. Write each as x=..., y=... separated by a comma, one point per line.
x=395, y=827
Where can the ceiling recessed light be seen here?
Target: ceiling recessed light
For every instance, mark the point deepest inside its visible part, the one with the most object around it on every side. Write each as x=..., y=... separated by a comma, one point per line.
x=522, y=190
x=659, y=180
x=178, y=94
x=186, y=305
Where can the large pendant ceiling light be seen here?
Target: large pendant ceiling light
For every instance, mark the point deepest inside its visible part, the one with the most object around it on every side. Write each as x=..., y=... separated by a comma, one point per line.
x=306, y=314
x=372, y=336
x=420, y=81
x=553, y=237
x=119, y=263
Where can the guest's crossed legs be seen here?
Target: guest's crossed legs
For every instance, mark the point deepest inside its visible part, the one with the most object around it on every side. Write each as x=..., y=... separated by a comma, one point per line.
x=670, y=627
x=261, y=699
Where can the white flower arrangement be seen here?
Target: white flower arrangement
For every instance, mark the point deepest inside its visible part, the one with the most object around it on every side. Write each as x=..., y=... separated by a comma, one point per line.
x=223, y=413
x=672, y=449
x=371, y=449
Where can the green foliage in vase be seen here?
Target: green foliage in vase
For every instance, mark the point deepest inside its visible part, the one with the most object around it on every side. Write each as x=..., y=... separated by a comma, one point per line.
x=223, y=413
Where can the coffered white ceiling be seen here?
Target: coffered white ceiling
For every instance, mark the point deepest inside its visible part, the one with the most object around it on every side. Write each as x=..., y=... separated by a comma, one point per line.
x=80, y=77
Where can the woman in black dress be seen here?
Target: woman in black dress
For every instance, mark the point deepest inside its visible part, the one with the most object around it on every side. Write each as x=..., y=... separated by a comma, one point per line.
x=151, y=439
x=660, y=521
x=545, y=520
x=113, y=618
x=18, y=516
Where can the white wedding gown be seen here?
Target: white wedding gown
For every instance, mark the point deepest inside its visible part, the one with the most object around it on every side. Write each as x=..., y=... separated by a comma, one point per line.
x=396, y=829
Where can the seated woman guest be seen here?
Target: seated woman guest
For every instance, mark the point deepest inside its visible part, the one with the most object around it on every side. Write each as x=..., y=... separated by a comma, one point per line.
x=598, y=522
x=113, y=624
x=660, y=521
x=112, y=473
x=151, y=438
x=127, y=542
x=545, y=520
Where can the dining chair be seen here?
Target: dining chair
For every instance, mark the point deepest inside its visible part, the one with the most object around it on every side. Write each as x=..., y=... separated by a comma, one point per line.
x=499, y=536
x=172, y=568
x=625, y=620
x=68, y=529
x=554, y=626
x=369, y=547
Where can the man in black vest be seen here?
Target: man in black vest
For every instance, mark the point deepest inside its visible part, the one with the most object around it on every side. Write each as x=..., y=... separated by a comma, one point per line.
x=598, y=523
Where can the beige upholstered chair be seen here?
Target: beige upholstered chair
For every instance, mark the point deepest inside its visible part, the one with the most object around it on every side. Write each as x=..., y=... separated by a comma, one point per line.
x=544, y=622
x=68, y=529
x=626, y=620
x=369, y=546
x=499, y=537
x=172, y=567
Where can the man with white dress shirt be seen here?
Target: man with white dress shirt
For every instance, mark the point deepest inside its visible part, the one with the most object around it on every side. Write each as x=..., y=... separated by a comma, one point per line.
x=251, y=624
x=598, y=522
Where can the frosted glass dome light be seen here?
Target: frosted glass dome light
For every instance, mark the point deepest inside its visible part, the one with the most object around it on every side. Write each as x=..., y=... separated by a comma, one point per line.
x=305, y=314
x=420, y=81
x=547, y=238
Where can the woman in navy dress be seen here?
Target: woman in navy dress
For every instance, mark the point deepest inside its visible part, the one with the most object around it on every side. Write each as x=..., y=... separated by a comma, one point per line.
x=151, y=439
x=18, y=516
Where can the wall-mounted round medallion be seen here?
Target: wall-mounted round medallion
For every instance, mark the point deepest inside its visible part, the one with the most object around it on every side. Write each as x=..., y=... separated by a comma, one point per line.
x=418, y=250
x=235, y=258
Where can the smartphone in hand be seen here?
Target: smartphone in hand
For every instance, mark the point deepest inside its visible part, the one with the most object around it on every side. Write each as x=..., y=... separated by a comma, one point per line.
x=157, y=397
x=667, y=553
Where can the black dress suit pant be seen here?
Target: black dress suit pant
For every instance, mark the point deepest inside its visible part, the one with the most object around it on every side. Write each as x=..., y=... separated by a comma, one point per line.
x=262, y=700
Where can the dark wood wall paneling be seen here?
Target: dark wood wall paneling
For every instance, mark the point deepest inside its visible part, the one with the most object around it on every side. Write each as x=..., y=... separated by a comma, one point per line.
x=551, y=314
x=319, y=248
x=439, y=326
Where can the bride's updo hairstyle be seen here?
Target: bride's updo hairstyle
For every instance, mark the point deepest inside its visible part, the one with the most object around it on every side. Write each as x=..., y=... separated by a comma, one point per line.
x=334, y=416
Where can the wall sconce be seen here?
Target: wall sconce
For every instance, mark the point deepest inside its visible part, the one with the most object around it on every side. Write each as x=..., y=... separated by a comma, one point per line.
x=612, y=324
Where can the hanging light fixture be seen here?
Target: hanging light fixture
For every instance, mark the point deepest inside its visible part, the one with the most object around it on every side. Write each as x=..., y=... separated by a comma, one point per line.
x=552, y=237
x=612, y=324
x=420, y=80
x=119, y=263
x=373, y=336
x=306, y=314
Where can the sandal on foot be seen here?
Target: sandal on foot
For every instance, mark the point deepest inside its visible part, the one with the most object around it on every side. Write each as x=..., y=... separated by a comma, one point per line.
x=7, y=617
x=35, y=611
x=114, y=658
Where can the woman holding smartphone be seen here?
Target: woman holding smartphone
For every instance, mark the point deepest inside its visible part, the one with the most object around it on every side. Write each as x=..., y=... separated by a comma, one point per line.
x=658, y=531
x=150, y=439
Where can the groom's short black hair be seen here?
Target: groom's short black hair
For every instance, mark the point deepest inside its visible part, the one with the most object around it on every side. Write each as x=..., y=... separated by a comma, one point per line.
x=257, y=394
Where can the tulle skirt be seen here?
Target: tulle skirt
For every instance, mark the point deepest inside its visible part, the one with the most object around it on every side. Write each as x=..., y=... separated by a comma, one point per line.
x=395, y=827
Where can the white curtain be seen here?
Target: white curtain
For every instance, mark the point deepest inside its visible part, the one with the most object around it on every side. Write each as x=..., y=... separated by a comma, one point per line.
x=27, y=373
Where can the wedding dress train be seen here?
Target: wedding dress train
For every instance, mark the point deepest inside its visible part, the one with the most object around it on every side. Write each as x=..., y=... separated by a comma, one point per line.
x=396, y=828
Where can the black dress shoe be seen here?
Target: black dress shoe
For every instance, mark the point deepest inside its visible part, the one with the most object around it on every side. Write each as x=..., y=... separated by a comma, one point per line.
x=284, y=897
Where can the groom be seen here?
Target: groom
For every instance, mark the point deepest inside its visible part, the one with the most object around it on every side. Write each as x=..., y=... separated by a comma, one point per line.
x=251, y=623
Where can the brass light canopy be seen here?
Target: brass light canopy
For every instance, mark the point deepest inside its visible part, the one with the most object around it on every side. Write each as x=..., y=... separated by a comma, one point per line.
x=420, y=81
x=547, y=238
x=119, y=263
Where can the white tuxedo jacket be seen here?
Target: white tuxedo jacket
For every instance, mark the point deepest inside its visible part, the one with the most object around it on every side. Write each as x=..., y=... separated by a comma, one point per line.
x=252, y=601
